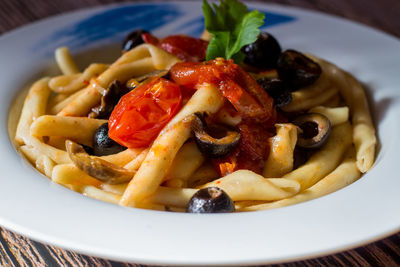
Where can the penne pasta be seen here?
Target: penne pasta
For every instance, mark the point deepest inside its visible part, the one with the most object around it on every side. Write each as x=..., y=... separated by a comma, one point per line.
x=324, y=160
x=79, y=129
x=69, y=174
x=178, y=197
x=363, y=129
x=204, y=174
x=65, y=61
x=247, y=185
x=280, y=159
x=336, y=115
x=187, y=160
x=68, y=84
x=45, y=165
x=345, y=174
x=99, y=194
x=34, y=107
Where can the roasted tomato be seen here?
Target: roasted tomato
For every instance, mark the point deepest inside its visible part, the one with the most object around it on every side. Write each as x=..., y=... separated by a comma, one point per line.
x=141, y=114
x=185, y=47
x=235, y=84
x=248, y=98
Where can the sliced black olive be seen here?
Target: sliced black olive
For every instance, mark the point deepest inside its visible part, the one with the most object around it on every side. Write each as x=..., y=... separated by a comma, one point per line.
x=277, y=89
x=108, y=101
x=315, y=130
x=103, y=145
x=133, y=39
x=210, y=200
x=264, y=52
x=297, y=69
x=214, y=140
x=97, y=167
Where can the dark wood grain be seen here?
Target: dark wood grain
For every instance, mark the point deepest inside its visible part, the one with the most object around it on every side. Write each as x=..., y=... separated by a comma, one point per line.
x=16, y=250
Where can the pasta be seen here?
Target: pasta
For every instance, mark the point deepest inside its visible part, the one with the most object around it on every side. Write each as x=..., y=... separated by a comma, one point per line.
x=204, y=125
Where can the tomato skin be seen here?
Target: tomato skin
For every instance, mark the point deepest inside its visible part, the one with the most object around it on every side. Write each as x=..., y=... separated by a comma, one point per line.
x=142, y=113
x=185, y=47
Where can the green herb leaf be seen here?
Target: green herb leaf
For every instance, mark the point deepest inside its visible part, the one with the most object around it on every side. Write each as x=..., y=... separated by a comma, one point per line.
x=232, y=26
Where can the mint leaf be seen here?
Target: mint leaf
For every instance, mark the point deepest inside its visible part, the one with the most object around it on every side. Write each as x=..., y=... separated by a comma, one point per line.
x=232, y=26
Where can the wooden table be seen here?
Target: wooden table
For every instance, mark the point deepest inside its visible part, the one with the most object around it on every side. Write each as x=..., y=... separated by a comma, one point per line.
x=18, y=250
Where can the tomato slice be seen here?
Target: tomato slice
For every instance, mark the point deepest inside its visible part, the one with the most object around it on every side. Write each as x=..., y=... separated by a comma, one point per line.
x=141, y=114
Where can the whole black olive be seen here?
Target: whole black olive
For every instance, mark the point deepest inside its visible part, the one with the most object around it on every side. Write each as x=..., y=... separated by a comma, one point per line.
x=215, y=141
x=103, y=145
x=277, y=90
x=315, y=130
x=210, y=200
x=297, y=70
x=133, y=39
x=264, y=52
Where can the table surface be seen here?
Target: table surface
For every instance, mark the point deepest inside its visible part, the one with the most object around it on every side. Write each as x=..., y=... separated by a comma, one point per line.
x=19, y=250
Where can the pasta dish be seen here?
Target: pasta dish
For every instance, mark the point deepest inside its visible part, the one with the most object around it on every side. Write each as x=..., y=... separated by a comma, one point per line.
x=200, y=125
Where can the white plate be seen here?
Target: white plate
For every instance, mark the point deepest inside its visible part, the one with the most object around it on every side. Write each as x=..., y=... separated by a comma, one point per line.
x=360, y=213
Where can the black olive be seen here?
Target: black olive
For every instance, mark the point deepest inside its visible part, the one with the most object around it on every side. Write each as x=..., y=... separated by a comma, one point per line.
x=103, y=145
x=108, y=101
x=315, y=130
x=277, y=89
x=215, y=141
x=210, y=200
x=300, y=156
x=133, y=39
x=88, y=149
x=297, y=70
x=263, y=53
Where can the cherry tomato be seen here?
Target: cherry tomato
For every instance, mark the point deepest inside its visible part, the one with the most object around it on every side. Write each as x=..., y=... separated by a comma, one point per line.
x=141, y=114
x=185, y=47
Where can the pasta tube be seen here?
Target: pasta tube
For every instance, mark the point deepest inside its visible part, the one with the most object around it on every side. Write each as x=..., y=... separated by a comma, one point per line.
x=324, y=160
x=65, y=61
x=187, y=160
x=79, y=129
x=363, y=129
x=68, y=84
x=34, y=107
x=69, y=174
x=335, y=115
x=159, y=159
x=247, y=185
x=312, y=95
x=345, y=174
x=280, y=159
